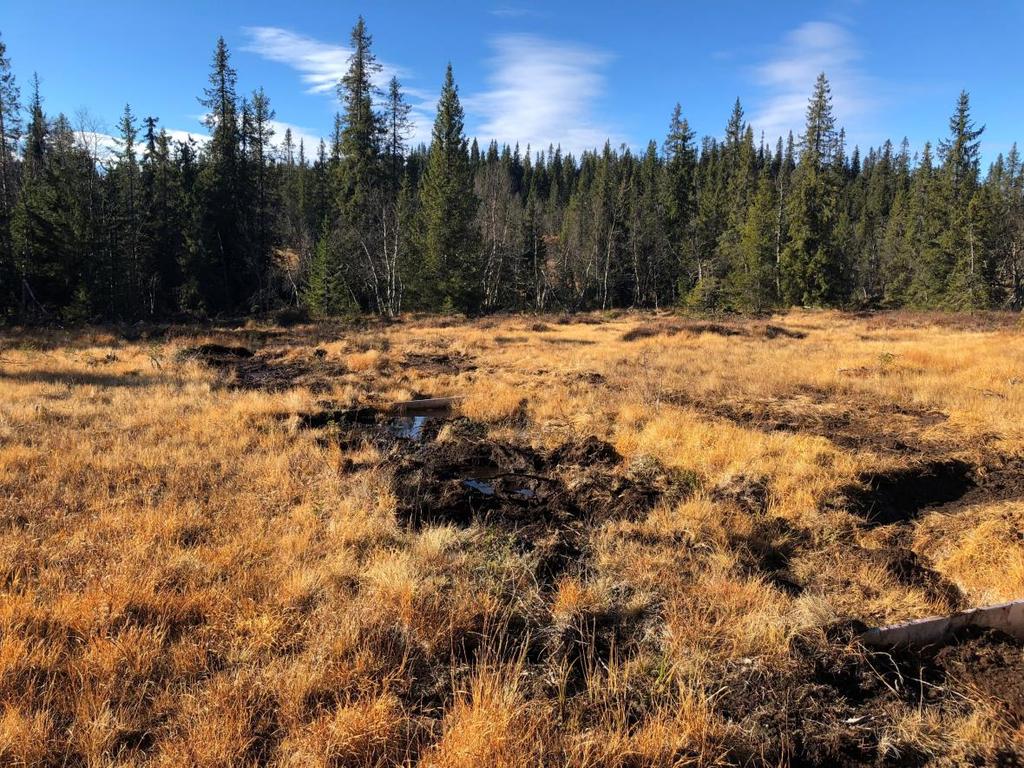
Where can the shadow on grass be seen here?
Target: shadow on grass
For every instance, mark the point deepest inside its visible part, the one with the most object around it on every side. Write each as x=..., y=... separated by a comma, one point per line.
x=81, y=379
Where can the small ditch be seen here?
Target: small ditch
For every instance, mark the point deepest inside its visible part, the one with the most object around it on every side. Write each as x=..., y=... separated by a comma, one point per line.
x=884, y=428
x=946, y=485
x=900, y=495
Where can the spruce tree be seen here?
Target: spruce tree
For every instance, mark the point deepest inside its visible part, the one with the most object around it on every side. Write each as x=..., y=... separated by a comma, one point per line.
x=397, y=125
x=929, y=269
x=679, y=192
x=961, y=245
x=810, y=263
x=162, y=223
x=365, y=197
x=1007, y=185
x=10, y=135
x=126, y=268
x=34, y=226
x=751, y=285
x=261, y=195
x=740, y=188
x=649, y=251
x=448, y=209
x=224, y=282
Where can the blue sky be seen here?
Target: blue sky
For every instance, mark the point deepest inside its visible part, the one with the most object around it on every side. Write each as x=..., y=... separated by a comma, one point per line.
x=570, y=72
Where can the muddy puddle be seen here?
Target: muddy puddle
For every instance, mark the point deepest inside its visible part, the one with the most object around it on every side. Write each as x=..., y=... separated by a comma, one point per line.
x=419, y=419
x=412, y=422
x=484, y=480
x=409, y=427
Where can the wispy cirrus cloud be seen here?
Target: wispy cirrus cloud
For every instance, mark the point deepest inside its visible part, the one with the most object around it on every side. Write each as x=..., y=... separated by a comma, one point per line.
x=788, y=78
x=514, y=12
x=321, y=66
x=543, y=92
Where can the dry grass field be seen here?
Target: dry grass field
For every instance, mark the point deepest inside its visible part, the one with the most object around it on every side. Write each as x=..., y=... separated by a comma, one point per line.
x=636, y=540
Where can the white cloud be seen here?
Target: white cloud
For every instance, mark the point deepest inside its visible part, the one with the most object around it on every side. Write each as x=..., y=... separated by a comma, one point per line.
x=105, y=147
x=514, y=12
x=102, y=146
x=177, y=134
x=310, y=139
x=543, y=92
x=321, y=65
x=812, y=48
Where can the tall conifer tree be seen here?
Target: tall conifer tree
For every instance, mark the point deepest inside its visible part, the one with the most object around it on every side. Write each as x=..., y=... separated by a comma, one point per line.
x=448, y=209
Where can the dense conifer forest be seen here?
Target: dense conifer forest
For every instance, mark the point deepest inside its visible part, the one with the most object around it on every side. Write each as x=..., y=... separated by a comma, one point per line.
x=252, y=223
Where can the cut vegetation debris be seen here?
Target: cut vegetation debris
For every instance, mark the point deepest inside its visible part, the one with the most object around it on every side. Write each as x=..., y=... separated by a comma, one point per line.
x=596, y=540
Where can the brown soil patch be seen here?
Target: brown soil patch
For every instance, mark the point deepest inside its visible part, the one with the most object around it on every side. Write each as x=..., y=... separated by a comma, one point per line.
x=216, y=355
x=827, y=705
x=900, y=495
x=548, y=501
x=975, y=321
x=845, y=421
x=946, y=485
x=694, y=328
x=768, y=549
x=441, y=363
x=268, y=370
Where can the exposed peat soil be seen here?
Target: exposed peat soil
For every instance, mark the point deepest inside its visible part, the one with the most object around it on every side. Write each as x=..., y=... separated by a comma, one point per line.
x=847, y=422
x=439, y=363
x=827, y=705
x=945, y=485
x=544, y=505
x=269, y=370
x=823, y=704
x=548, y=502
x=697, y=328
x=932, y=477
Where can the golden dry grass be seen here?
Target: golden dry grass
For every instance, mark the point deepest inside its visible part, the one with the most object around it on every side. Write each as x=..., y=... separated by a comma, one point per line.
x=189, y=577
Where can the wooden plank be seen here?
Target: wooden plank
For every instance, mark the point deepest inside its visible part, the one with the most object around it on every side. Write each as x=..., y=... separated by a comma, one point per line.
x=427, y=404
x=937, y=630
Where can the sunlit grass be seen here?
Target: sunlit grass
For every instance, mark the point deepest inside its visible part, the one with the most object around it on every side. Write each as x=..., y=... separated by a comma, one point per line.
x=189, y=578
